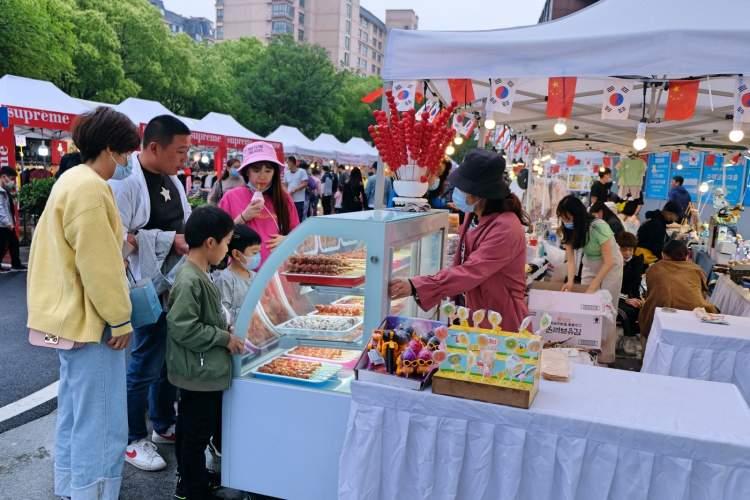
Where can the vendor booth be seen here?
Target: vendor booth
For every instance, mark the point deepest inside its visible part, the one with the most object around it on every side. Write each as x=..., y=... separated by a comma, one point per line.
x=582, y=436
x=295, y=143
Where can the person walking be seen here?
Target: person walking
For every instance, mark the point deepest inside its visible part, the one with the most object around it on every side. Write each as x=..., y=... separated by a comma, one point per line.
x=295, y=182
x=153, y=208
x=353, y=195
x=77, y=291
x=329, y=186
x=8, y=237
x=679, y=195
x=371, y=187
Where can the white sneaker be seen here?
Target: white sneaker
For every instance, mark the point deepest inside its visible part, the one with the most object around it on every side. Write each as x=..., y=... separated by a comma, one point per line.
x=168, y=437
x=143, y=454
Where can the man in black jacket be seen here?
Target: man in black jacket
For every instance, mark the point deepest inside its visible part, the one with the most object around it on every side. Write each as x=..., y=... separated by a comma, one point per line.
x=653, y=233
x=632, y=274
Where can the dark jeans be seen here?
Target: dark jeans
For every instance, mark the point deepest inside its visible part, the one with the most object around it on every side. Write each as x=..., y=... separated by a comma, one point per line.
x=327, y=205
x=630, y=325
x=9, y=242
x=147, y=381
x=312, y=208
x=198, y=418
x=300, y=205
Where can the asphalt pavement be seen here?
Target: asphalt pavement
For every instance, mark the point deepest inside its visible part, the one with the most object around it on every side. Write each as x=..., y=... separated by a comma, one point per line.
x=25, y=369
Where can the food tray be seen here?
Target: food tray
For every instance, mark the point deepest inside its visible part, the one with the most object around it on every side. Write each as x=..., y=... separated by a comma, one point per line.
x=322, y=375
x=357, y=300
x=348, y=360
x=288, y=329
x=346, y=281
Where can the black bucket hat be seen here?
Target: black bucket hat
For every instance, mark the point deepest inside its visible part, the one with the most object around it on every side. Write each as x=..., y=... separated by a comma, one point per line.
x=481, y=174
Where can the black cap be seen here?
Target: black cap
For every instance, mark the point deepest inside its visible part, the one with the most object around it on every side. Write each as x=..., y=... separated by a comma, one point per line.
x=481, y=174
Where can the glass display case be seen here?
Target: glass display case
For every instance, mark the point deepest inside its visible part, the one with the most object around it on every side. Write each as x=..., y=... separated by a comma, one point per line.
x=308, y=313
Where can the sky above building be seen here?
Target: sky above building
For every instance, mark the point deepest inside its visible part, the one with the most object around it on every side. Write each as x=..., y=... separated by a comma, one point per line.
x=433, y=14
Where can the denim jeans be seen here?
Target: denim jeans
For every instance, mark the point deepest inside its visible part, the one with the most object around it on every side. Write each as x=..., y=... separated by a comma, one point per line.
x=91, y=430
x=147, y=382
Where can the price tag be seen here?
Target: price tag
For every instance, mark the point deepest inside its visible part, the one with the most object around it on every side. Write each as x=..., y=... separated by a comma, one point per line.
x=375, y=357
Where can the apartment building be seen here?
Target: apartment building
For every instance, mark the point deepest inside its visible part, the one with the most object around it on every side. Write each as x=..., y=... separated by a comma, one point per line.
x=199, y=29
x=353, y=36
x=402, y=19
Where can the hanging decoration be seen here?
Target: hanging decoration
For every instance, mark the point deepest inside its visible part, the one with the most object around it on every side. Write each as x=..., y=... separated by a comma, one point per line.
x=502, y=95
x=616, y=104
x=404, y=94
x=683, y=96
x=742, y=97
x=462, y=91
x=412, y=149
x=560, y=95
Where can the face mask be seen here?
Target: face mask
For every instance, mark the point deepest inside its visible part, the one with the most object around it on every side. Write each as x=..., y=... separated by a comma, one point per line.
x=628, y=259
x=234, y=172
x=121, y=171
x=459, y=199
x=569, y=225
x=253, y=263
x=10, y=186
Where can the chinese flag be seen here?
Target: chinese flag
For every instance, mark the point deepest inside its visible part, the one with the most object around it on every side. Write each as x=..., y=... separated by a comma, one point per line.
x=571, y=160
x=607, y=161
x=560, y=95
x=462, y=91
x=372, y=96
x=683, y=95
x=710, y=160
x=676, y=156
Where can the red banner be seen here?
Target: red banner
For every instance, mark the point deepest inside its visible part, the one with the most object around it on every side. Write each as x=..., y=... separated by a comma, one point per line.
x=57, y=150
x=710, y=160
x=676, y=156
x=7, y=147
x=681, y=101
x=462, y=90
x=238, y=143
x=208, y=140
x=561, y=92
x=38, y=118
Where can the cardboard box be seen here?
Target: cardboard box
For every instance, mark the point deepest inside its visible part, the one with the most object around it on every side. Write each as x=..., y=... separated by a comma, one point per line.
x=577, y=317
x=490, y=366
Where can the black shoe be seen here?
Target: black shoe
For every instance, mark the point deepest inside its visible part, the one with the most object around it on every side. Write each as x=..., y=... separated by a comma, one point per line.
x=18, y=268
x=179, y=491
x=214, y=480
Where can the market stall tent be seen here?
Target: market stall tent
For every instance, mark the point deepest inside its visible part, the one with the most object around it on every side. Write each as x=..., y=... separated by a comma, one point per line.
x=296, y=143
x=361, y=151
x=141, y=111
x=226, y=125
x=328, y=143
x=631, y=39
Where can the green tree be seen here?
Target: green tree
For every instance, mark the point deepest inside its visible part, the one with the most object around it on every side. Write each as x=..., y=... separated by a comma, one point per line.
x=291, y=84
x=356, y=116
x=35, y=39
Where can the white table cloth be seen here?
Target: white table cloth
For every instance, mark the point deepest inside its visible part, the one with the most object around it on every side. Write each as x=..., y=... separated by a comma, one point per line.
x=605, y=435
x=730, y=298
x=682, y=346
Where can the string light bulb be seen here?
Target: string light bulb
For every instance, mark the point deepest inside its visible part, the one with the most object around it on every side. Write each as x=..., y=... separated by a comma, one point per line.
x=561, y=127
x=736, y=135
x=458, y=140
x=679, y=166
x=205, y=159
x=489, y=124
x=450, y=150
x=703, y=188
x=43, y=150
x=640, y=143
x=553, y=161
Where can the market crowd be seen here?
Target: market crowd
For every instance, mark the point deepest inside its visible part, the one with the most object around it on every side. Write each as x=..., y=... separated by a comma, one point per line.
x=120, y=260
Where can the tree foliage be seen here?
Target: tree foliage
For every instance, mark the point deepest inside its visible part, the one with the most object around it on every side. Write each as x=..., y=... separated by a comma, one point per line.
x=107, y=51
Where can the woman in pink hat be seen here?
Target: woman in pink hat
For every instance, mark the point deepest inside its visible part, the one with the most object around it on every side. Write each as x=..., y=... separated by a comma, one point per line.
x=275, y=215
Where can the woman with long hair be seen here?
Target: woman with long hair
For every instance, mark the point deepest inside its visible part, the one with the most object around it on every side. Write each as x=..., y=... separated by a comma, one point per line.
x=489, y=268
x=601, y=211
x=353, y=195
x=77, y=291
x=274, y=215
x=601, y=263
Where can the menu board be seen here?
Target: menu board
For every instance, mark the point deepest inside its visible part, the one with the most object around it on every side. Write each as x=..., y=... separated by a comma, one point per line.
x=732, y=183
x=691, y=161
x=657, y=176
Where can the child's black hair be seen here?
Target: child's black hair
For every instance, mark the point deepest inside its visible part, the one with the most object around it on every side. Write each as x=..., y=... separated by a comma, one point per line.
x=242, y=238
x=207, y=222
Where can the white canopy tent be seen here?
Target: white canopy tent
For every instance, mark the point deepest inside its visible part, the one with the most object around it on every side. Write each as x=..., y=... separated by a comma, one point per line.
x=37, y=94
x=362, y=152
x=337, y=150
x=641, y=40
x=296, y=143
x=141, y=111
x=219, y=123
x=92, y=105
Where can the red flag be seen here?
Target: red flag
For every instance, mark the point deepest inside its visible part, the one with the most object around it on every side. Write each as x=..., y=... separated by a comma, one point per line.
x=683, y=96
x=571, y=160
x=710, y=160
x=607, y=161
x=736, y=159
x=560, y=95
x=370, y=98
x=462, y=91
x=676, y=156
x=420, y=97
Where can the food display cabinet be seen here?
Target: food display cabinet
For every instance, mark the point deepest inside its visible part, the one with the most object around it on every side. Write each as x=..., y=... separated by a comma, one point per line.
x=307, y=316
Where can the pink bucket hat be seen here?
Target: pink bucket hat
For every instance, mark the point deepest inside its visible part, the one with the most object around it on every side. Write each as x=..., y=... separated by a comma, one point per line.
x=257, y=152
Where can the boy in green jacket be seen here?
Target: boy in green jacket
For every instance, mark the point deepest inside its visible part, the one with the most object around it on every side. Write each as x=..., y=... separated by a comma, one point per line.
x=198, y=348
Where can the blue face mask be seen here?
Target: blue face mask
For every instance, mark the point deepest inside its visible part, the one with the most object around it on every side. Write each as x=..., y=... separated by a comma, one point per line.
x=121, y=171
x=459, y=199
x=569, y=225
x=234, y=172
x=253, y=263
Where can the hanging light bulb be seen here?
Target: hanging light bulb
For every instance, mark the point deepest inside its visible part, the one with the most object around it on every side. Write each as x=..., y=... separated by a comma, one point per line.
x=450, y=150
x=553, y=162
x=560, y=127
x=205, y=159
x=489, y=124
x=43, y=150
x=640, y=143
x=196, y=156
x=679, y=166
x=703, y=188
x=736, y=135
x=458, y=140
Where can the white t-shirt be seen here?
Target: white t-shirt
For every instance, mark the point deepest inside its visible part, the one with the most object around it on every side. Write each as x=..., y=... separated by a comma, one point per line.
x=293, y=181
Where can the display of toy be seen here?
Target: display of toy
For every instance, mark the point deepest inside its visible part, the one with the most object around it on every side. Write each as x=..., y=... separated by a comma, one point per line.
x=499, y=366
x=339, y=310
x=402, y=349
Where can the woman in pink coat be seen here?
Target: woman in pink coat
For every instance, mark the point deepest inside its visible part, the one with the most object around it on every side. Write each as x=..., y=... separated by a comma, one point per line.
x=489, y=269
x=272, y=215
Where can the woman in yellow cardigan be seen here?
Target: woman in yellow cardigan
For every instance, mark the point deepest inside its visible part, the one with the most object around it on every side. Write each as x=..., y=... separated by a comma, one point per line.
x=77, y=290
